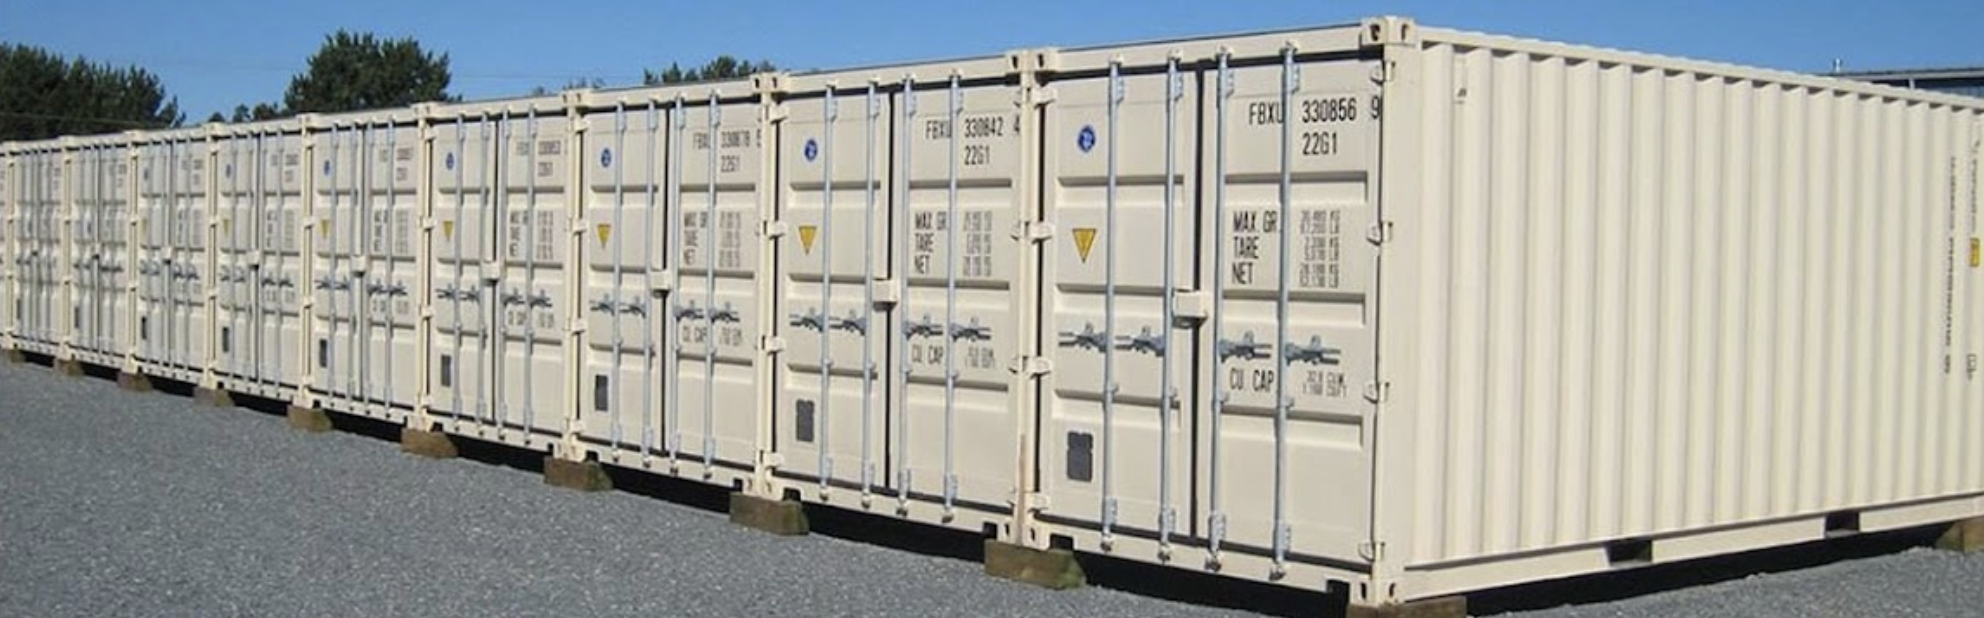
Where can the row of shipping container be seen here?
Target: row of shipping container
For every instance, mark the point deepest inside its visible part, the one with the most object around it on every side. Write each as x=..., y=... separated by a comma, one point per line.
x=1126, y=299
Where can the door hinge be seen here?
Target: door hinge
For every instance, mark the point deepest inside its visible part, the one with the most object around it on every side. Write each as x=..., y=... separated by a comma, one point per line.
x=1379, y=233
x=771, y=229
x=1377, y=391
x=1371, y=551
x=1031, y=365
x=1033, y=231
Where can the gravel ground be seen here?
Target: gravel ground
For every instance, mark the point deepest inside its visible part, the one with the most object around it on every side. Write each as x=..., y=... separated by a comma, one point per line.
x=113, y=503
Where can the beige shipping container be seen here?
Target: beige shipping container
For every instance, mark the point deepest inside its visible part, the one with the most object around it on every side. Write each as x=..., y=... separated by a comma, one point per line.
x=263, y=278
x=1471, y=311
x=672, y=239
x=1454, y=311
x=100, y=259
x=503, y=181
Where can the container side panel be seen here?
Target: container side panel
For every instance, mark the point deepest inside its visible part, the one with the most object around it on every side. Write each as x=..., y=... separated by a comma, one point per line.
x=1660, y=301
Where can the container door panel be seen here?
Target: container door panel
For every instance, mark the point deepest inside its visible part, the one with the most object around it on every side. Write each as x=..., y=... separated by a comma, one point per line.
x=154, y=252
x=387, y=311
x=1116, y=449
x=534, y=229
x=279, y=274
x=1290, y=346
x=236, y=275
x=960, y=150
x=463, y=300
x=627, y=346
x=714, y=308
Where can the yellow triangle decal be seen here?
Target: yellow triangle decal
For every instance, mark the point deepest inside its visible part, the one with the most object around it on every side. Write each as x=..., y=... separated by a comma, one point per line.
x=1976, y=252
x=806, y=235
x=605, y=230
x=448, y=228
x=324, y=228
x=227, y=226
x=1084, y=242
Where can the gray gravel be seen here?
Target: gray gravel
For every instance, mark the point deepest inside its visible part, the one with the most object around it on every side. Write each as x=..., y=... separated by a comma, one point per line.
x=113, y=503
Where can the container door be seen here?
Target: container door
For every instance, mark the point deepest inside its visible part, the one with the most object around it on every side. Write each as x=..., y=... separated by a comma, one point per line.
x=529, y=362
x=337, y=289
x=1289, y=347
x=113, y=233
x=48, y=246
x=154, y=273
x=279, y=276
x=235, y=274
x=1116, y=449
x=191, y=267
x=627, y=348
x=464, y=302
x=8, y=257
x=387, y=315
x=833, y=395
x=712, y=414
x=960, y=150
x=87, y=198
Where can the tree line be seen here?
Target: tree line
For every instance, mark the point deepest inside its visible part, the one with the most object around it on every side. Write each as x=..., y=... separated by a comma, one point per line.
x=44, y=95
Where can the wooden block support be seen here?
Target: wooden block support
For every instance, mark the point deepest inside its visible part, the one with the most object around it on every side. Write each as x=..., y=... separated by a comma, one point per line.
x=309, y=419
x=134, y=382
x=429, y=444
x=780, y=517
x=15, y=356
x=576, y=475
x=1054, y=569
x=68, y=367
x=214, y=397
x=1965, y=536
x=1442, y=607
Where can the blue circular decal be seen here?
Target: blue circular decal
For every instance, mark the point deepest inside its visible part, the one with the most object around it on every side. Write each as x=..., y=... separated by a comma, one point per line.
x=327, y=168
x=812, y=150
x=1085, y=139
x=228, y=170
x=451, y=161
x=606, y=157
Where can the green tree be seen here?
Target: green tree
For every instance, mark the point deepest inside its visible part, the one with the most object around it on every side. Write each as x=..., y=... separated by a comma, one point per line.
x=261, y=111
x=43, y=96
x=574, y=84
x=719, y=68
x=354, y=71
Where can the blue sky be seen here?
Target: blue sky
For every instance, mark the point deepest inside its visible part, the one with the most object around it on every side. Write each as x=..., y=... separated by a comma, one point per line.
x=213, y=54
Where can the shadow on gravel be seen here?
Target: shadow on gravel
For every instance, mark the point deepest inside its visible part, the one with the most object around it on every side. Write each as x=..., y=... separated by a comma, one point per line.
x=172, y=387
x=493, y=453
x=895, y=533
x=1624, y=584
x=687, y=493
x=1206, y=589
x=263, y=405
x=365, y=426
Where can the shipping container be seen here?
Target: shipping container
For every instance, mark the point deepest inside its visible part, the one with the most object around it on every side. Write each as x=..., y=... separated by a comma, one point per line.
x=1399, y=311
x=99, y=229
x=364, y=343
x=672, y=205
x=261, y=264
x=900, y=295
x=173, y=265
x=8, y=255
x=503, y=185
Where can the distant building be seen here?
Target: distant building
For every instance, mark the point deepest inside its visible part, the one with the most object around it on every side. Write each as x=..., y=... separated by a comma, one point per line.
x=1964, y=81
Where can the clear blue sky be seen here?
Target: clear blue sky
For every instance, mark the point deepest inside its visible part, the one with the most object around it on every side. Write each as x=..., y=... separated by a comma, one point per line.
x=214, y=54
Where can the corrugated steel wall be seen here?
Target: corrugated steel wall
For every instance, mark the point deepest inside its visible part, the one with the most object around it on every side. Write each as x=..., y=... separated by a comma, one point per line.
x=1652, y=299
